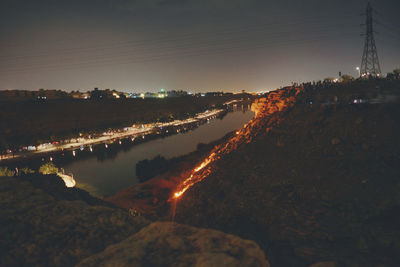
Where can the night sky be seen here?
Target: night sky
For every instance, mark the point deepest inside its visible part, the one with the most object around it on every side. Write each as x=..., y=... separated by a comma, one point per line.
x=194, y=45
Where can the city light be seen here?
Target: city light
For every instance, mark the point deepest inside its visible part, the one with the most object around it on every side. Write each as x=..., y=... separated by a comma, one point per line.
x=81, y=141
x=68, y=179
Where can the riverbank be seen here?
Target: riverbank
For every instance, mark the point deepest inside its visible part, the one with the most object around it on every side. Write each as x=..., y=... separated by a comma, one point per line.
x=31, y=123
x=111, y=135
x=151, y=198
x=120, y=160
x=157, y=197
x=93, y=165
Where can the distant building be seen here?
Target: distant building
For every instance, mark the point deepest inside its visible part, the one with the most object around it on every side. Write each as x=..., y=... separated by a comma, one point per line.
x=150, y=95
x=76, y=95
x=214, y=93
x=134, y=95
x=106, y=94
x=162, y=93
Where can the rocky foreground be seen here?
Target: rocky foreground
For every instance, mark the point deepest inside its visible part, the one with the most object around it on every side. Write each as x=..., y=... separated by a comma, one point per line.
x=43, y=223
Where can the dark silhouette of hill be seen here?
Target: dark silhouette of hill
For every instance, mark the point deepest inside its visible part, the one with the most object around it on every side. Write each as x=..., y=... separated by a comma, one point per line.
x=319, y=181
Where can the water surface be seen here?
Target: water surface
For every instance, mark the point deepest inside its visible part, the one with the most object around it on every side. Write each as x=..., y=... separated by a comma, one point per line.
x=109, y=176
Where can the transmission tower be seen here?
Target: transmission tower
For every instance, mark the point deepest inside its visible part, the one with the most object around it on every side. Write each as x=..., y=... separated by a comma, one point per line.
x=370, y=62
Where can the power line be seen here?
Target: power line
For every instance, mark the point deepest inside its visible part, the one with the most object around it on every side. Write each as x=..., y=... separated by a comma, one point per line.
x=168, y=38
x=181, y=48
x=172, y=56
x=193, y=44
x=211, y=22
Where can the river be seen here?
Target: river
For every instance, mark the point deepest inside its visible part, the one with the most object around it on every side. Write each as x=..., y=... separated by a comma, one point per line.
x=109, y=175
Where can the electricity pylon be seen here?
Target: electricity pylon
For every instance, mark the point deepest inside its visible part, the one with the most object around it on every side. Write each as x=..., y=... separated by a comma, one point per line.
x=370, y=62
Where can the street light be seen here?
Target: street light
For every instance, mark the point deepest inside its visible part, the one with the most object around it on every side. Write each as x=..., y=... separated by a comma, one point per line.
x=359, y=73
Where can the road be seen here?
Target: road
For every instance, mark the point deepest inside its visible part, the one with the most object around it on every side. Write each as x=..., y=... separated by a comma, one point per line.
x=134, y=130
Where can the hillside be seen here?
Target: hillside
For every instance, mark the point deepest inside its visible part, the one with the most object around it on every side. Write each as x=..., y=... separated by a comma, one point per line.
x=316, y=180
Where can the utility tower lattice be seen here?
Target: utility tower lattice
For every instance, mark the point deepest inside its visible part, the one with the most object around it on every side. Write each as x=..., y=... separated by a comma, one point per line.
x=370, y=62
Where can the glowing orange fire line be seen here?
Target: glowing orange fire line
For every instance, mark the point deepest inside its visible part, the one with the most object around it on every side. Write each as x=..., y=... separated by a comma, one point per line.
x=275, y=102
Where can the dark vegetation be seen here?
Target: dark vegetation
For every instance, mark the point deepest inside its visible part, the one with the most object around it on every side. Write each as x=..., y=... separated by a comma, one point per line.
x=34, y=122
x=321, y=186
x=146, y=169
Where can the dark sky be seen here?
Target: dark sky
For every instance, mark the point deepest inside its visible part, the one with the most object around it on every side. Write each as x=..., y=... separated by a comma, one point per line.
x=195, y=45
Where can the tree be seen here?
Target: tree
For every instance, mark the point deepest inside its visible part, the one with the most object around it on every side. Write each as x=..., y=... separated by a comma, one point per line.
x=4, y=171
x=48, y=168
x=26, y=171
x=146, y=169
x=96, y=94
x=347, y=78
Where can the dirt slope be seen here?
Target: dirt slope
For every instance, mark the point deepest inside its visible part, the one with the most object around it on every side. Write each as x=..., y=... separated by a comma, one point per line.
x=321, y=184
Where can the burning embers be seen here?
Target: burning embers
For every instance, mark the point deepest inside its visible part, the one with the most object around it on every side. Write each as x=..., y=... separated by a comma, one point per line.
x=275, y=102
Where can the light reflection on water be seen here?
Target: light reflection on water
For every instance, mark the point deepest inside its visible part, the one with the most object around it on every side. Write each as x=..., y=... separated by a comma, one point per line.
x=109, y=176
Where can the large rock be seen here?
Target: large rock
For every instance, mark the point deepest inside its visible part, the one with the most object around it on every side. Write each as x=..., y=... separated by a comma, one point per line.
x=39, y=229
x=171, y=244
